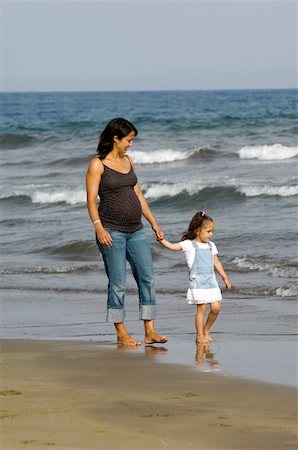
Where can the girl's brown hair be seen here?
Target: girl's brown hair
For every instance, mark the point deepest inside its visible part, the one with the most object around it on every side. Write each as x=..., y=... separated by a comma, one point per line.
x=198, y=221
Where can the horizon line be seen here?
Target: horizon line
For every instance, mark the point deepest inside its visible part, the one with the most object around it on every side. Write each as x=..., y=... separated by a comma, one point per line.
x=146, y=90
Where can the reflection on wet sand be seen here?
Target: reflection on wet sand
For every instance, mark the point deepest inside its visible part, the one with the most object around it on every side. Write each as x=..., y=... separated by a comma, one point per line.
x=151, y=350
x=205, y=358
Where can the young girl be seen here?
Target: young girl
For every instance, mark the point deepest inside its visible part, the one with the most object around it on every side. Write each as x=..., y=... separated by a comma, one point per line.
x=201, y=257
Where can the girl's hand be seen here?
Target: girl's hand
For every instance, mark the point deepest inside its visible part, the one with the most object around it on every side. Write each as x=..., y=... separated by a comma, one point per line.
x=227, y=282
x=160, y=234
x=104, y=237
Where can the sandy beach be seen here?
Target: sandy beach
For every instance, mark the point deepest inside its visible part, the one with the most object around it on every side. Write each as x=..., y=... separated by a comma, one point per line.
x=83, y=395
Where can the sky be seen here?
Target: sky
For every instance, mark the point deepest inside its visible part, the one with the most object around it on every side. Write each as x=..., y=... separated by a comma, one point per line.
x=147, y=45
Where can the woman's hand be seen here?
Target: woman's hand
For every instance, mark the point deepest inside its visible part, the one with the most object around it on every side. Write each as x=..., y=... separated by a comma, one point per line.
x=160, y=234
x=104, y=237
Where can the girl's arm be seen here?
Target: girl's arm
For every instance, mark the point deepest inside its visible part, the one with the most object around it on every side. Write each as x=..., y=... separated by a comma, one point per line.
x=171, y=245
x=218, y=266
x=147, y=213
x=93, y=179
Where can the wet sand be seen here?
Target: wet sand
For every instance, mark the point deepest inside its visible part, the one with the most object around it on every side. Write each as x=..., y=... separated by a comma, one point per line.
x=82, y=395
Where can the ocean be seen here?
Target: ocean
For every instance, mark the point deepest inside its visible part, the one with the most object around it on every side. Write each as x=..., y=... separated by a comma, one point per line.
x=232, y=154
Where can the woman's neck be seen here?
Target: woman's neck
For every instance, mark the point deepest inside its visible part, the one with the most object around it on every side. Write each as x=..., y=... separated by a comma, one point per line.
x=114, y=156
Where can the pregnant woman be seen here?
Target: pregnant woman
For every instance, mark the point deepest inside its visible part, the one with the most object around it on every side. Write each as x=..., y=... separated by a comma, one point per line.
x=120, y=234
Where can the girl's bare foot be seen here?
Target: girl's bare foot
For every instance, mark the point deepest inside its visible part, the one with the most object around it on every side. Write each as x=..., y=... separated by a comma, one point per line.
x=207, y=336
x=201, y=340
x=127, y=340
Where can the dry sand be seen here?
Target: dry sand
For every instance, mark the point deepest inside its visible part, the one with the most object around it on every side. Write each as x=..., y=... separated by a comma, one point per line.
x=82, y=395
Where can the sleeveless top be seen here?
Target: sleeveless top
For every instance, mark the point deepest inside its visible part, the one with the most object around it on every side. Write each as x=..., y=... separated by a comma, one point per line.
x=119, y=207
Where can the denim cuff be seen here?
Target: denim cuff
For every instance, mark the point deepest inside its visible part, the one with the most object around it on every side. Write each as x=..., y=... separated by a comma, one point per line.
x=115, y=315
x=147, y=312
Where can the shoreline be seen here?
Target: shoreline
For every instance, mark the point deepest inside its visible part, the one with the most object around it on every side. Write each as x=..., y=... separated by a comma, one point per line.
x=85, y=395
x=259, y=358
x=262, y=347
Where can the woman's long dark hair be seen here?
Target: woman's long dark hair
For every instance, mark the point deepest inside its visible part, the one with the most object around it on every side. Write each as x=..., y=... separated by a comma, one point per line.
x=116, y=127
x=198, y=221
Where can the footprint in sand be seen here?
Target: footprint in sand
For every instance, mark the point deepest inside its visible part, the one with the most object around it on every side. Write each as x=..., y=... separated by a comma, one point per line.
x=10, y=392
x=33, y=441
x=6, y=415
x=190, y=395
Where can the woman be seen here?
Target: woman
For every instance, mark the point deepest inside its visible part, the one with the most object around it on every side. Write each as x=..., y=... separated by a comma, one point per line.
x=119, y=230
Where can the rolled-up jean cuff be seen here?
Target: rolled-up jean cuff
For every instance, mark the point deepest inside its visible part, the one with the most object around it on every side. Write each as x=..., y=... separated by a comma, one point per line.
x=147, y=312
x=115, y=315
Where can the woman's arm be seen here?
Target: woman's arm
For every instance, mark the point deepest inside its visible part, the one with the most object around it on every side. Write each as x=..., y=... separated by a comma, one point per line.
x=175, y=247
x=218, y=266
x=93, y=179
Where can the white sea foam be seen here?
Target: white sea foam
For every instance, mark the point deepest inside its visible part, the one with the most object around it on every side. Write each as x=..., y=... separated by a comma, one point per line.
x=160, y=156
x=281, y=191
x=272, y=268
x=22, y=190
x=66, y=196
x=268, y=152
x=159, y=190
x=286, y=292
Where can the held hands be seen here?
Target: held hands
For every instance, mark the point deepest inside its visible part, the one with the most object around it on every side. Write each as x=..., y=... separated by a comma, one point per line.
x=159, y=232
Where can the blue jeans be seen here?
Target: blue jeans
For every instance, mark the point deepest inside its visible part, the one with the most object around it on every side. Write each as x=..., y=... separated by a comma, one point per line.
x=134, y=248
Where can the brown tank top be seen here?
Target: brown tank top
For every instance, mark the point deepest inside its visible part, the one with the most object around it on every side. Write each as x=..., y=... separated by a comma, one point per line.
x=119, y=207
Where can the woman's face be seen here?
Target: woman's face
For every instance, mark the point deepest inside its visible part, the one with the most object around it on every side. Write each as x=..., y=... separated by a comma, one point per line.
x=122, y=145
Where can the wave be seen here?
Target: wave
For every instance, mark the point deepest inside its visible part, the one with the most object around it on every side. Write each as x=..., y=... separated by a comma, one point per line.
x=43, y=196
x=274, y=268
x=13, y=140
x=286, y=292
x=61, y=196
x=265, y=292
x=140, y=158
x=80, y=250
x=153, y=192
x=164, y=155
x=280, y=191
x=268, y=152
x=48, y=270
x=156, y=191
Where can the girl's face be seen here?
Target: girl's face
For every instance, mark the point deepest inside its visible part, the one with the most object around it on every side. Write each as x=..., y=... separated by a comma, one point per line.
x=205, y=232
x=122, y=145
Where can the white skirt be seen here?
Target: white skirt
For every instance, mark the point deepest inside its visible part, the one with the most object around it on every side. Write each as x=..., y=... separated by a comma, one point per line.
x=201, y=296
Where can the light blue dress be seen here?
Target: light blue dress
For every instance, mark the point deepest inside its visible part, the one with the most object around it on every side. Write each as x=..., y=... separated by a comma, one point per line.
x=203, y=286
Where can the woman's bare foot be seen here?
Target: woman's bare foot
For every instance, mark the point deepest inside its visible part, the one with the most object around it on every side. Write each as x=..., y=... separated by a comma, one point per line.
x=151, y=337
x=154, y=338
x=127, y=340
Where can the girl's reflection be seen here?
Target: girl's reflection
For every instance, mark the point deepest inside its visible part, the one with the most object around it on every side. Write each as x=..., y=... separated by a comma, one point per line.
x=205, y=358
